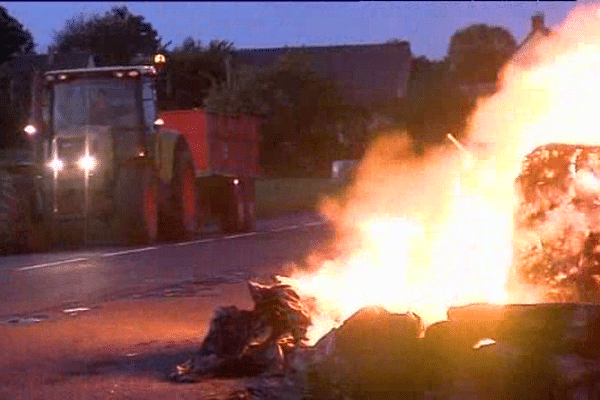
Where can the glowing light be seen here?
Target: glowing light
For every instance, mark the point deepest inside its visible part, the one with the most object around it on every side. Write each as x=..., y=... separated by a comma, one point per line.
x=159, y=122
x=133, y=73
x=56, y=164
x=483, y=343
x=159, y=59
x=30, y=130
x=87, y=163
x=236, y=181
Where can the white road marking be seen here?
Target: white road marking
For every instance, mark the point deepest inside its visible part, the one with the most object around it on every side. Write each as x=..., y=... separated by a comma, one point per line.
x=240, y=235
x=119, y=253
x=194, y=242
x=285, y=228
x=50, y=264
x=315, y=223
x=124, y=252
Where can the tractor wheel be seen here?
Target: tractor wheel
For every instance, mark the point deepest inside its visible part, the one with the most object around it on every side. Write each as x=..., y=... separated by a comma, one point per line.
x=136, y=207
x=181, y=221
x=34, y=229
x=9, y=214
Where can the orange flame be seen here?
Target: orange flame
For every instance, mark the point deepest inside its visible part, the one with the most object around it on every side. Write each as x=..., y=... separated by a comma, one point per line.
x=422, y=234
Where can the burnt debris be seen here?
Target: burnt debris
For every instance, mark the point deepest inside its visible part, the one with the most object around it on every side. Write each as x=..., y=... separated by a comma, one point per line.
x=245, y=343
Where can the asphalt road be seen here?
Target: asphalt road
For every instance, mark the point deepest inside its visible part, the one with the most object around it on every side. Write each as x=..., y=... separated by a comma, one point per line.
x=35, y=283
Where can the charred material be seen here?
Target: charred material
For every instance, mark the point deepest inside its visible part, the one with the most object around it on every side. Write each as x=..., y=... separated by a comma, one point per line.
x=374, y=353
x=557, y=221
x=243, y=343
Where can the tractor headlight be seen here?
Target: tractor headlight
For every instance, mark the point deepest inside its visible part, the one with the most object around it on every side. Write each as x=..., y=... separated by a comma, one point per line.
x=56, y=164
x=87, y=163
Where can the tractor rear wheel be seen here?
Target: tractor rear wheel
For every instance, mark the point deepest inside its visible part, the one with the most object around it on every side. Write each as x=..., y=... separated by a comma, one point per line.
x=181, y=220
x=9, y=211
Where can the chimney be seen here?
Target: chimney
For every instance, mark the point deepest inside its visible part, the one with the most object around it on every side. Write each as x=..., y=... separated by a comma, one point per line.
x=537, y=22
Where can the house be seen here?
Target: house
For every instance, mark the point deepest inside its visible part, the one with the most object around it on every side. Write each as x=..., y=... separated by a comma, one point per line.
x=367, y=74
x=524, y=55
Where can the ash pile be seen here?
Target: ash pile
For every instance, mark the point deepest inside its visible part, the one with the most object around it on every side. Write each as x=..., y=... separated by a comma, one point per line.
x=539, y=351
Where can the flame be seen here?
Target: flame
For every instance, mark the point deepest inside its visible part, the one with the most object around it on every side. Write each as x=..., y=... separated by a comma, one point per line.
x=424, y=233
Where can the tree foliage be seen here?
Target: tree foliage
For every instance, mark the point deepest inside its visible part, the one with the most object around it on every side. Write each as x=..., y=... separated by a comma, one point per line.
x=118, y=35
x=301, y=106
x=479, y=51
x=194, y=69
x=436, y=106
x=14, y=38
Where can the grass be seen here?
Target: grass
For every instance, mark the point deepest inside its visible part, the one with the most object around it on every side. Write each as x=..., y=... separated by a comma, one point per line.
x=278, y=196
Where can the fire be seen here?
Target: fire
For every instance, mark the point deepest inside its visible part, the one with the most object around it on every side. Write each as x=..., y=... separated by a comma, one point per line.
x=424, y=233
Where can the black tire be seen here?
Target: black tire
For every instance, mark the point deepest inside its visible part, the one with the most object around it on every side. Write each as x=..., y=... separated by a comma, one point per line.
x=181, y=220
x=34, y=229
x=136, y=206
x=9, y=214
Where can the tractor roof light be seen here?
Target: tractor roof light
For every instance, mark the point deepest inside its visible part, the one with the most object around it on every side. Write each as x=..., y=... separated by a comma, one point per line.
x=159, y=60
x=133, y=73
x=119, y=74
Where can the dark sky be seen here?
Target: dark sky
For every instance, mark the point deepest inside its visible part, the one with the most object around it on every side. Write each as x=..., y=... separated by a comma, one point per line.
x=428, y=26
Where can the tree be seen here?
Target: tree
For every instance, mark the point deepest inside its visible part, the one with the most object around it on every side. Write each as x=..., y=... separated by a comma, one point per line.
x=478, y=52
x=14, y=38
x=118, y=35
x=301, y=106
x=436, y=106
x=189, y=45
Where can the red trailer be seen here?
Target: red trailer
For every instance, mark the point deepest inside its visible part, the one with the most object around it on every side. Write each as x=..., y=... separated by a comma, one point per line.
x=225, y=153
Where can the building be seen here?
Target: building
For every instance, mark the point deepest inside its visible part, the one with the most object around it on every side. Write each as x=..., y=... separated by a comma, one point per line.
x=366, y=74
x=524, y=55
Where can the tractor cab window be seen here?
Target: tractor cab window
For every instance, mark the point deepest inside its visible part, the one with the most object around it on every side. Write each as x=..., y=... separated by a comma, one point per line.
x=101, y=101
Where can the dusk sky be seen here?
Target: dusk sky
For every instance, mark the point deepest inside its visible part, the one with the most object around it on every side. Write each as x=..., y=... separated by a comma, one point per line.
x=428, y=26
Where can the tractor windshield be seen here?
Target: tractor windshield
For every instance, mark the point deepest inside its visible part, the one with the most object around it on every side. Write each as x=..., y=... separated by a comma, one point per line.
x=101, y=101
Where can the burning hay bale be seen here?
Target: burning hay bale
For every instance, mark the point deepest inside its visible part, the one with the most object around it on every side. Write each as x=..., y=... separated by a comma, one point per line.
x=557, y=221
x=241, y=342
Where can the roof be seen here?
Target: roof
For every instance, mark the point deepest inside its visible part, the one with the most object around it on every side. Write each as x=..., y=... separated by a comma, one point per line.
x=43, y=62
x=538, y=33
x=365, y=72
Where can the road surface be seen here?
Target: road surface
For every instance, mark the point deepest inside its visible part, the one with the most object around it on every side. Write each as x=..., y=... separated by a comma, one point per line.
x=34, y=284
